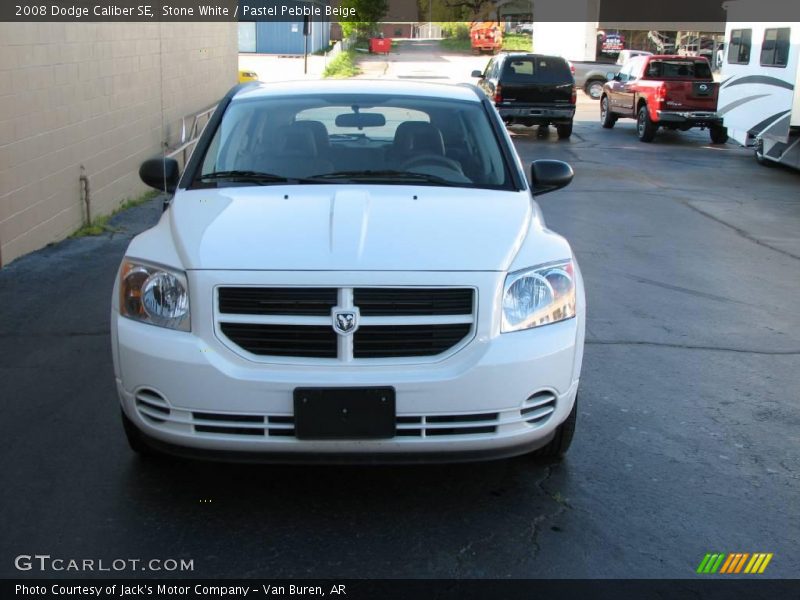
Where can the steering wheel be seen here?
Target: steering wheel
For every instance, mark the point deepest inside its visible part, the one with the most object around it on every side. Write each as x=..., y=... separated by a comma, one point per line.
x=434, y=160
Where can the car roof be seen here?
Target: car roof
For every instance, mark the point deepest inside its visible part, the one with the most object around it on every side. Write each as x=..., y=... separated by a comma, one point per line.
x=360, y=86
x=531, y=55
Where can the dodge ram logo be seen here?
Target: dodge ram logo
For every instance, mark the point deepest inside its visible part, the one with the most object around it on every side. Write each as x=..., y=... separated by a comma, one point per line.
x=345, y=322
x=703, y=87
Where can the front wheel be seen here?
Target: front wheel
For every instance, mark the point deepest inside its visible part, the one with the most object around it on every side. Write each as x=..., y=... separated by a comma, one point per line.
x=564, y=130
x=644, y=126
x=558, y=446
x=594, y=88
x=607, y=120
x=719, y=134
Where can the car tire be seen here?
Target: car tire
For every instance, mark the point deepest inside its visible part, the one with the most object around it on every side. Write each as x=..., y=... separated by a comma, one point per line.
x=594, y=88
x=607, y=119
x=564, y=130
x=645, y=128
x=136, y=439
x=562, y=440
x=719, y=134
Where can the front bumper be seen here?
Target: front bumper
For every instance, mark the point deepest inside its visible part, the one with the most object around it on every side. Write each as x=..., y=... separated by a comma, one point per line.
x=694, y=118
x=190, y=394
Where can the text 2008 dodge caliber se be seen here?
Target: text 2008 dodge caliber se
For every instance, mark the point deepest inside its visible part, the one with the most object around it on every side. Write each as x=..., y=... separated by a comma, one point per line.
x=350, y=271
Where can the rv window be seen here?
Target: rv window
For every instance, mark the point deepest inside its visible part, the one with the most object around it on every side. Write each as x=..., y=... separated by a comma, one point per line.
x=775, y=49
x=739, y=47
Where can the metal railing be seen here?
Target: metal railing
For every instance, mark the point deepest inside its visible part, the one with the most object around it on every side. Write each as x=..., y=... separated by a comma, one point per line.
x=192, y=127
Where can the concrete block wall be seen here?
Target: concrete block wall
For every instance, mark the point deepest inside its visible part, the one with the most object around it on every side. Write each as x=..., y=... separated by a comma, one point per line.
x=104, y=96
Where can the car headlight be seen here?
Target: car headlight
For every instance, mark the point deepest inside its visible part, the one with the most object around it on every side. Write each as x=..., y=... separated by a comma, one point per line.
x=154, y=295
x=538, y=296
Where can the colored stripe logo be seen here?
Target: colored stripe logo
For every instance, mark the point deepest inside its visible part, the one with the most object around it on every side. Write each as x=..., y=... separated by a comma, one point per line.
x=734, y=562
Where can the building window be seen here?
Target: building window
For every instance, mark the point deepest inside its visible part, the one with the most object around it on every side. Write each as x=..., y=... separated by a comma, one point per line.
x=775, y=49
x=739, y=47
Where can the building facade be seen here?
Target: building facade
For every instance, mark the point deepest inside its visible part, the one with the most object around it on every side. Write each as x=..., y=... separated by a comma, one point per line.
x=94, y=100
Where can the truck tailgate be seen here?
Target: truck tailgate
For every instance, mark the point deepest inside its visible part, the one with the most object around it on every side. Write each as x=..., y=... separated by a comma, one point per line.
x=691, y=95
x=532, y=93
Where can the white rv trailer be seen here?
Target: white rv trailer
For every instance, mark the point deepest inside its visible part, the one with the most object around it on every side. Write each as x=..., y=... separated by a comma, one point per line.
x=758, y=98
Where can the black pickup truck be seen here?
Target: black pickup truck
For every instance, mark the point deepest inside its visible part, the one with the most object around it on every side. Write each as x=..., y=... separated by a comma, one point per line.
x=531, y=89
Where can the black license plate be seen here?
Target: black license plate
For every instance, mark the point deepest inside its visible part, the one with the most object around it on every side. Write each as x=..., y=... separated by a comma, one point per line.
x=344, y=413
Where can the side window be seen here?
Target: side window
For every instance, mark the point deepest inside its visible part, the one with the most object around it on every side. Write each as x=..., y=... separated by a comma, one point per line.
x=739, y=47
x=635, y=69
x=487, y=72
x=496, y=69
x=775, y=49
x=625, y=72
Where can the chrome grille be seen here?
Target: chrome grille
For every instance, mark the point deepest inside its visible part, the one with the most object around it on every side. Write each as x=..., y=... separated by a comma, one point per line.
x=297, y=322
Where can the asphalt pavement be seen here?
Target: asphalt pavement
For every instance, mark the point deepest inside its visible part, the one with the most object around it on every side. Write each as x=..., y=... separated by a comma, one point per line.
x=687, y=434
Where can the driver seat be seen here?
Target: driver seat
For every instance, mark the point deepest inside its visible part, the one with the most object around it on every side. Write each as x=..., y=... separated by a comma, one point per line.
x=418, y=137
x=414, y=139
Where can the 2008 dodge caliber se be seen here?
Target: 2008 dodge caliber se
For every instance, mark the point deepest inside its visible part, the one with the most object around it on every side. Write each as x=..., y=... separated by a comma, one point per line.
x=350, y=271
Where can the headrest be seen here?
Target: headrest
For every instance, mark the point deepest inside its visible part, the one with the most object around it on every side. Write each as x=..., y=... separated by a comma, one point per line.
x=295, y=140
x=318, y=130
x=419, y=136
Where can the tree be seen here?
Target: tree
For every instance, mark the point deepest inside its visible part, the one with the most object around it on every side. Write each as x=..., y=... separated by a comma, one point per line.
x=368, y=12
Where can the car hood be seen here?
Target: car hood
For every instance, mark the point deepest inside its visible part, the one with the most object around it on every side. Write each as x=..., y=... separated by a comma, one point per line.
x=349, y=228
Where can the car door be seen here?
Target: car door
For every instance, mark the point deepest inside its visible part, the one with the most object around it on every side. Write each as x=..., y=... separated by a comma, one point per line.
x=615, y=88
x=628, y=88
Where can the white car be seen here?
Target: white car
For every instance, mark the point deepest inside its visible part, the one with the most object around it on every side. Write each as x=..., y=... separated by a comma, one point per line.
x=350, y=271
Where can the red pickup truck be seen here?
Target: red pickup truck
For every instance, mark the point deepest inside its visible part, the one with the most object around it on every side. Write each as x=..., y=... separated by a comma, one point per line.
x=676, y=92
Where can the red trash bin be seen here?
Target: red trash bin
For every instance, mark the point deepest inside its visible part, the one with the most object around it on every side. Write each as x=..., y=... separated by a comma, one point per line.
x=380, y=45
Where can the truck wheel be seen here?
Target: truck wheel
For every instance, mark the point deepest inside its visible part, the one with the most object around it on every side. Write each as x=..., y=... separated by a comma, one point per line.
x=558, y=446
x=564, y=130
x=594, y=88
x=719, y=134
x=136, y=441
x=607, y=120
x=644, y=126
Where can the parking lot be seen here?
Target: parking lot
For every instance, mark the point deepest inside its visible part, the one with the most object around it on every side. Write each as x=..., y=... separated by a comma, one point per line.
x=687, y=435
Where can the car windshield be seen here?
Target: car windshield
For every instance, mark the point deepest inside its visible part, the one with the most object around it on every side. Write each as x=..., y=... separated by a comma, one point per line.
x=679, y=69
x=346, y=138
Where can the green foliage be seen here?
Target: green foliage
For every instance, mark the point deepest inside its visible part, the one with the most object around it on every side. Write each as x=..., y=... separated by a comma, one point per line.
x=453, y=44
x=455, y=30
x=454, y=10
x=342, y=66
x=517, y=42
x=368, y=13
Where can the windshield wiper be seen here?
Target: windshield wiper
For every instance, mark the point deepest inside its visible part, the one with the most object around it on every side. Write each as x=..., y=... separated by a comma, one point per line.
x=252, y=176
x=387, y=175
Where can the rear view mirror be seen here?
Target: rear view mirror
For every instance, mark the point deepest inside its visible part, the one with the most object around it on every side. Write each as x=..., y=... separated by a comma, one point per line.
x=611, y=76
x=549, y=176
x=360, y=120
x=161, y=173
x=477, y=74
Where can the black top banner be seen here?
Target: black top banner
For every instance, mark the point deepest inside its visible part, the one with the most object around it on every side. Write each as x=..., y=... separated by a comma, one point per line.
x=617, y=11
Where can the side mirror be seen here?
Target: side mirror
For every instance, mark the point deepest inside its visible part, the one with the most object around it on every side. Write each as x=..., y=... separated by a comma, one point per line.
x=161, y=173
x=478, y=74
x=549, y=176
x=611, y=76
